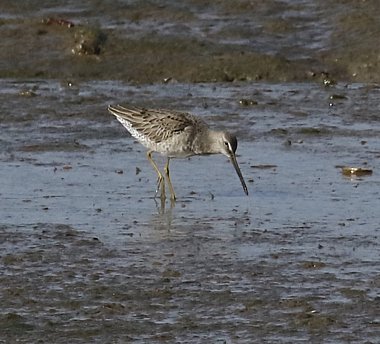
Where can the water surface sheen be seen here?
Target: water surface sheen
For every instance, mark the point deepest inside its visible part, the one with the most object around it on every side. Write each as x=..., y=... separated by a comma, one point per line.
x=87, y=254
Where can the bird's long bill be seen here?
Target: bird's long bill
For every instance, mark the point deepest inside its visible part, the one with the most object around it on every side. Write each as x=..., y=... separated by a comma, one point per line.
x=234, y=162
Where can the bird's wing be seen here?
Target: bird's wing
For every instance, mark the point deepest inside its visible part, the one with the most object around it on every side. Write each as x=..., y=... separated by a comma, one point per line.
x=157, y=125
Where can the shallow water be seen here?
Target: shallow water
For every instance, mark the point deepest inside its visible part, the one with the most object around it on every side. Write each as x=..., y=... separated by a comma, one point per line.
x=87, y=254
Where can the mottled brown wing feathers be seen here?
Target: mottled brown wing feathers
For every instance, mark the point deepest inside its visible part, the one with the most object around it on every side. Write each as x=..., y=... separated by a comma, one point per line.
x=155, y=124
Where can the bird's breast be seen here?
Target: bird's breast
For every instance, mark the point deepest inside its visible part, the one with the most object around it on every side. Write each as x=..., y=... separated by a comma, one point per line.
x=176, y=147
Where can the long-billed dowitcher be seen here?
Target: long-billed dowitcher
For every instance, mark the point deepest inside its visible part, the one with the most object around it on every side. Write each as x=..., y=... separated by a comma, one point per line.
x=175, y=135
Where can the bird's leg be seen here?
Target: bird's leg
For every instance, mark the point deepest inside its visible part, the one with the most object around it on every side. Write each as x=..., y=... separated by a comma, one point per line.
x=172, y=193
x=160, y=177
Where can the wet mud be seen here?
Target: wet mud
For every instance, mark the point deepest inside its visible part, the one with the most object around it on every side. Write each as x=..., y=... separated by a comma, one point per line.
x=88, y=255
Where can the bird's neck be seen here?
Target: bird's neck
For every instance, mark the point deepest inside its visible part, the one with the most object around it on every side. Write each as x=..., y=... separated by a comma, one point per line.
x=207, y=142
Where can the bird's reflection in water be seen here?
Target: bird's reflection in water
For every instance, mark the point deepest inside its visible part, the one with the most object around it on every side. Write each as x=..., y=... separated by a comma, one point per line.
x=163, y=219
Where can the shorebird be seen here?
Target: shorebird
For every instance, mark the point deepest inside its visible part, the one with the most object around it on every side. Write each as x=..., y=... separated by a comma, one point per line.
x=175, y=135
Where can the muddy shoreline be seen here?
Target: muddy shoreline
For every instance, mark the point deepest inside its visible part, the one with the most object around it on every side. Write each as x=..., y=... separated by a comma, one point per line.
x=145, y=43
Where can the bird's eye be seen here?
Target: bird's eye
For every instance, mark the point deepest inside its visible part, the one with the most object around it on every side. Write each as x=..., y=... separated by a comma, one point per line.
x=226, y=144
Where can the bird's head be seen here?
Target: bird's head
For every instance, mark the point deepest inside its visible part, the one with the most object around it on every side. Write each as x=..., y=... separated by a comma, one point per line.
x=227, y=145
